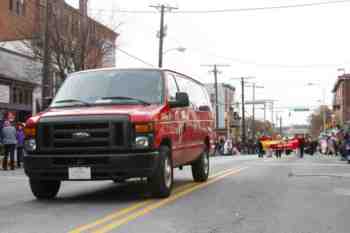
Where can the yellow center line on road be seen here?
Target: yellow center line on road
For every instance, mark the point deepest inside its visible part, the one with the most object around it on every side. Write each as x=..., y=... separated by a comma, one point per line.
x=122, y=212
x=156, y=205
x=139, y=205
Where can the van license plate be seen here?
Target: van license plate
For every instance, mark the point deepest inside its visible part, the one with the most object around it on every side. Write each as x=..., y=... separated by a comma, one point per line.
x=79, y=173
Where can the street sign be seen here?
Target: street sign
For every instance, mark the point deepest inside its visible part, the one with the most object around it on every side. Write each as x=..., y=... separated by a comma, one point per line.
x=301, y=109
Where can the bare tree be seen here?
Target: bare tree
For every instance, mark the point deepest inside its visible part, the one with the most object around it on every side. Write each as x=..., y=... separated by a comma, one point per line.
x=316, y=120
x=261, y=127
x=71, y=46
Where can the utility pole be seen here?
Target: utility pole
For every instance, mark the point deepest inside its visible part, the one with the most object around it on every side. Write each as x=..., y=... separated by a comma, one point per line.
x=45, y=92
x=243, y=113
x=281, y=133
x=325, y=108
x=253, y=111
x=162, y=33
x=215, y=71
x=272, y=118
x=254, y=86
x=83, y=31
x=243, y=130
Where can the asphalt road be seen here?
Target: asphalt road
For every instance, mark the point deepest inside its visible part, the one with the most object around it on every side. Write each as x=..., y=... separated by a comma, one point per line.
x=244, y=194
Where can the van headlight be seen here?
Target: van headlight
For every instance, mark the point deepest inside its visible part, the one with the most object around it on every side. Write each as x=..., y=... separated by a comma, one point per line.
x=142, y=142
x=30, y=145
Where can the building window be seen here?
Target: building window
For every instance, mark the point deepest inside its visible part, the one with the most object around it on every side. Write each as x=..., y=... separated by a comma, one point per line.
x=11, y=5
x=17, y=6
x=20, y=98
x=14, y=95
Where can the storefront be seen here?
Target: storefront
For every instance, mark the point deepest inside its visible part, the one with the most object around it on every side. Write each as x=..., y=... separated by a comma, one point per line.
x=20, y=79
x=16, y=100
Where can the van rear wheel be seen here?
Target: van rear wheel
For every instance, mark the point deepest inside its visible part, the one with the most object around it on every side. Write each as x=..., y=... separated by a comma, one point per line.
x=43, y=189
x=200, y=168
x=163, y=177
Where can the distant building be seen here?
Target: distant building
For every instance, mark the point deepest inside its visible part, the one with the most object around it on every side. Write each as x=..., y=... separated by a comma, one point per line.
x=226, y=95
x=296, y=130
x=341, y=99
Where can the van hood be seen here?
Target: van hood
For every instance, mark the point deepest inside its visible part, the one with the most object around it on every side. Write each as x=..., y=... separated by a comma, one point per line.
x=135, y=112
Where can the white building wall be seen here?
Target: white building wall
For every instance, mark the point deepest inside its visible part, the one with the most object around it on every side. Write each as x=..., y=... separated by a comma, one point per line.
x=221, y=102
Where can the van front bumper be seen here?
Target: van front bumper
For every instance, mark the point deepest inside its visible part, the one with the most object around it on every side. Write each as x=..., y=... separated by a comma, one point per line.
x=102, y=166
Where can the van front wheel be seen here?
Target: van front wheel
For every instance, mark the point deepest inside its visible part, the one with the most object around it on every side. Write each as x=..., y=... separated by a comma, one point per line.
x=162, y=179
x=43, y=189
x=200, y=168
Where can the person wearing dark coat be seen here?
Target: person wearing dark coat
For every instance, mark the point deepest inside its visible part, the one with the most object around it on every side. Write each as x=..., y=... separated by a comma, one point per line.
x=301, y=146
x=260, y=149
x=9, y=140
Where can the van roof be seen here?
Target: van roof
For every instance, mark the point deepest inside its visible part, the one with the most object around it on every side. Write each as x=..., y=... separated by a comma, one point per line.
x=139, y=68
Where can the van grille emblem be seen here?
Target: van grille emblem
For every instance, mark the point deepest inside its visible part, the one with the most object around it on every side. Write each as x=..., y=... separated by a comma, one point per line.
x=81, y=135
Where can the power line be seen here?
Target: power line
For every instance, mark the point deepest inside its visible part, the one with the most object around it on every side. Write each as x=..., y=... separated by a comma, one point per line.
x=270, y=65
x=135, y=57
x=256, y=63
x=288, y=6
x=265, y=8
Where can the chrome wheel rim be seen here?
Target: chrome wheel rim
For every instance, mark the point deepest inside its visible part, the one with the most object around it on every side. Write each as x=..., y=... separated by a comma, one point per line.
x=167, y=173
x=206, y=162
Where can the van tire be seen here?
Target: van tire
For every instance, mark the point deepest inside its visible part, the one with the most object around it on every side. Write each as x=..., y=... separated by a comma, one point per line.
x=163, y=177
x=200, y=168
x=43, y=189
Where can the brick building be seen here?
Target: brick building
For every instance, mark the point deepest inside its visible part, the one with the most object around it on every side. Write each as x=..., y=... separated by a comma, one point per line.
x=23, y=20
x=341, y=99
x=18, y=19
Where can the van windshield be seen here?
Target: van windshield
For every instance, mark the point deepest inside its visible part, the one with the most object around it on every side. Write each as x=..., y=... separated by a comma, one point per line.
x=111, y=87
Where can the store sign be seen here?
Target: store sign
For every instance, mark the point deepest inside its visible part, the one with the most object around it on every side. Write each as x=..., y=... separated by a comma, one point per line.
x=4, y=94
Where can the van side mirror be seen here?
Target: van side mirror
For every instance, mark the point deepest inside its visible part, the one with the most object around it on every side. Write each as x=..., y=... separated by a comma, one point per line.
x=204, y=108
x=182, y=100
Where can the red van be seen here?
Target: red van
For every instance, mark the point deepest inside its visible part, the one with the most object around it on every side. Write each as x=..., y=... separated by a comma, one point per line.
x=115, y=124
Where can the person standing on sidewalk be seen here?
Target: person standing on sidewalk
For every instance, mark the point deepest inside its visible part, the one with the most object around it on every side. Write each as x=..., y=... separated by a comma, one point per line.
x=9, y=140
x=20, y=144
x=301, y=146
x=260, y=149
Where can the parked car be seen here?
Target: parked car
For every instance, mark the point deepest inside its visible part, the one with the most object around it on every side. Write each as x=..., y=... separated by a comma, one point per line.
x=115, y=124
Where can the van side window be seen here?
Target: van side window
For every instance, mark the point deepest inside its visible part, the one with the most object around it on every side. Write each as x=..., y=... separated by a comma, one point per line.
x=200, y=97
x=172, y=87
x=185, y=86
x=206, y=98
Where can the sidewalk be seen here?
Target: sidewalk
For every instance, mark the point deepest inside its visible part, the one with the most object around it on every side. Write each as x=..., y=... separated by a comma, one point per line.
x=18, y=173
x=11, y=173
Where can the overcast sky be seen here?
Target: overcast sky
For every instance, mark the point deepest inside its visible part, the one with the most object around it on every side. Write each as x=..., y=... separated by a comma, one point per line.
x=283, y=48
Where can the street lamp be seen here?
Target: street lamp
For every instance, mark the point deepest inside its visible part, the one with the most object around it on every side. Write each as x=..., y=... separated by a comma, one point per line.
x=179, y=49
x=323, y=101
x=341, y=70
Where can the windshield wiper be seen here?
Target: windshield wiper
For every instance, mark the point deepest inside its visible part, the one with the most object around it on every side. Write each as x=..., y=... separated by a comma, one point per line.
x=125, y=98
x=73, y=100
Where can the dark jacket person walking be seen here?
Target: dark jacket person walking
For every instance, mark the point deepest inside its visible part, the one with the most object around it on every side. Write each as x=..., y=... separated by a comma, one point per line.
x=20, y=144
x=301, y=146
x=9, y=140
x=260, y=149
